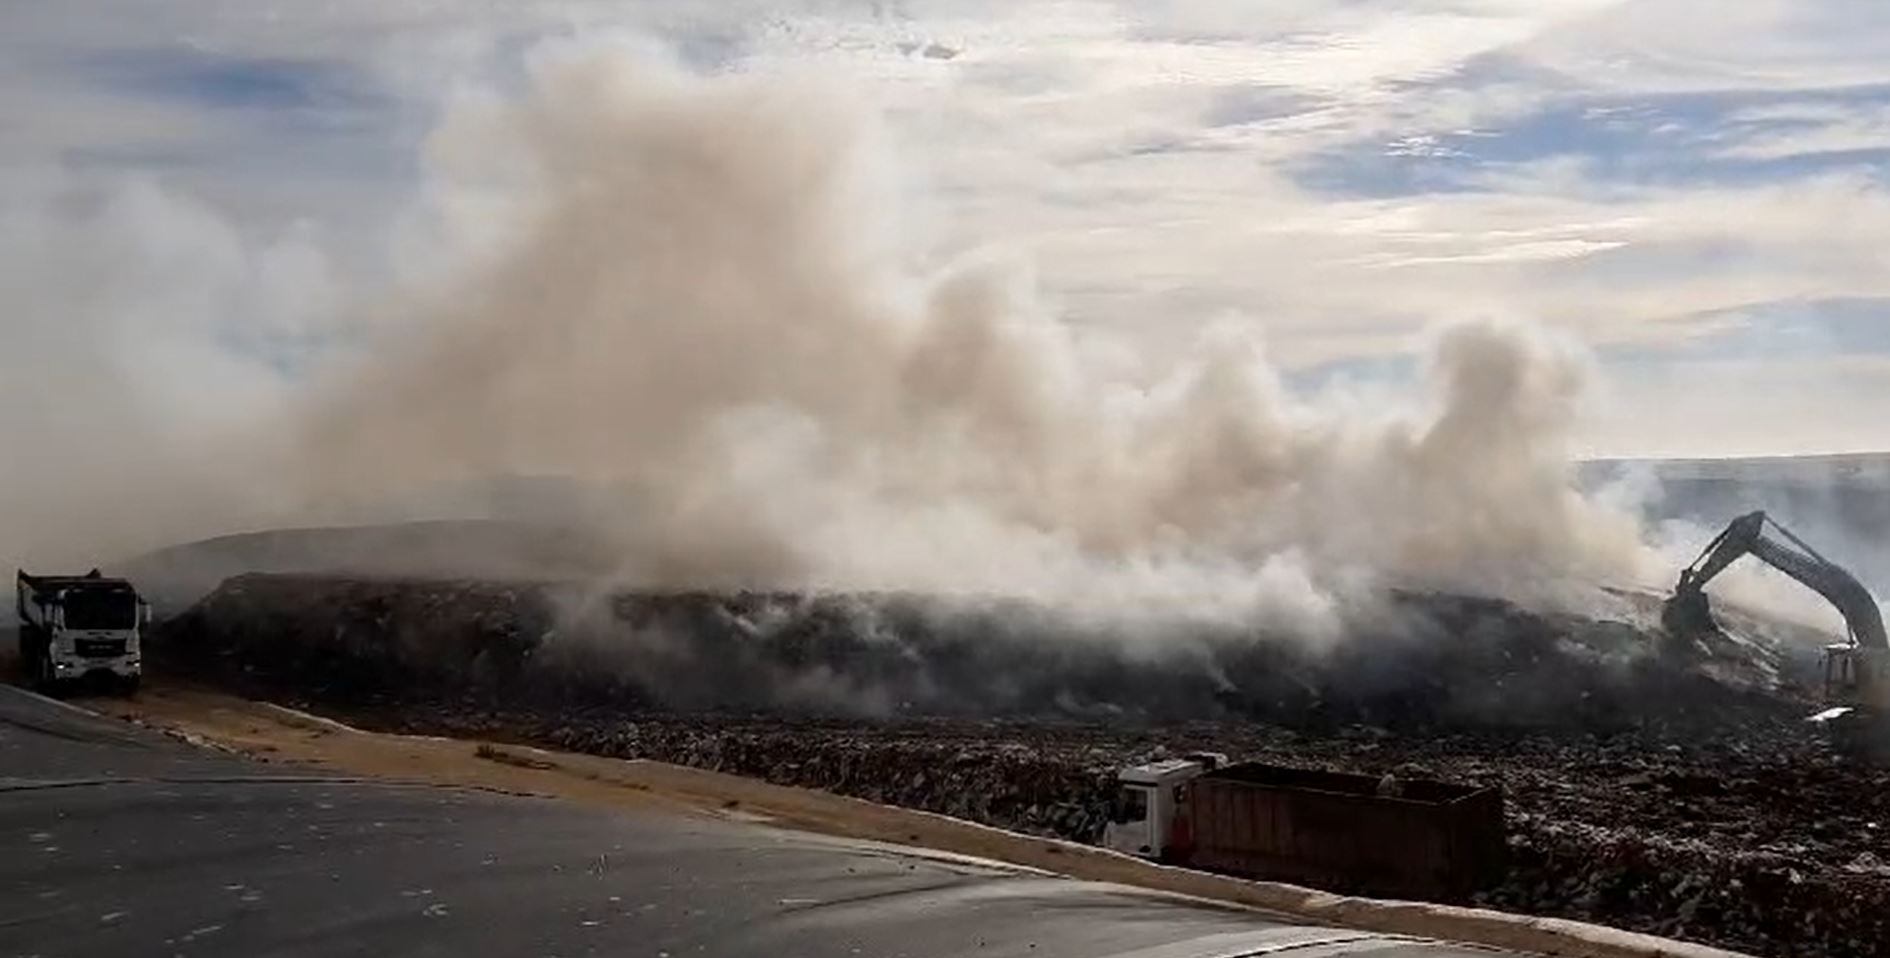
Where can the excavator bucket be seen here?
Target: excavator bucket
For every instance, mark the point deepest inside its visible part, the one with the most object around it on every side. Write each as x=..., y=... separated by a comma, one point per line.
x=1687, y=614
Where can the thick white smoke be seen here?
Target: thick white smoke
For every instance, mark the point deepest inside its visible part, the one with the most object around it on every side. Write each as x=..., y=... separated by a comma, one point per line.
x=139, y=336
x=700, y=297
x=704, y=304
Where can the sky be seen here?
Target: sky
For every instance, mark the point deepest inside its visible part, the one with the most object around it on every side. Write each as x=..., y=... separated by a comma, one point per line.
x=1697, y=192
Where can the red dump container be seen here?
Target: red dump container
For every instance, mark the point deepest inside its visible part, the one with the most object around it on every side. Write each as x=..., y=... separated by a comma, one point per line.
x=1333, y=830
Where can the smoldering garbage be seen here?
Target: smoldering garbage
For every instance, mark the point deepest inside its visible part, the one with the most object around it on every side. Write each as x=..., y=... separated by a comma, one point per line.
x=1680, y=797
x=1431, y=661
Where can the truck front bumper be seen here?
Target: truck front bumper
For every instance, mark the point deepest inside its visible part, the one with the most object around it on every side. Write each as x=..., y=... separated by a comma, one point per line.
x=77, y=667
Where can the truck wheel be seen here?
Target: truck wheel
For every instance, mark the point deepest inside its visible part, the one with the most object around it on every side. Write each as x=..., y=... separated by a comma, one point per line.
x=128, y=686
x=47, y=682
x=29, y=655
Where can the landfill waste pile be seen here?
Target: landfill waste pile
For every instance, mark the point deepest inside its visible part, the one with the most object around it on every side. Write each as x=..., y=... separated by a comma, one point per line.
x=1674, y=792
x=1440, y=662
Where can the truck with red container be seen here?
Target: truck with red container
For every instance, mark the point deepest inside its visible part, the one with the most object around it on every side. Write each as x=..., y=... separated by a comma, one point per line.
x=1363, y=834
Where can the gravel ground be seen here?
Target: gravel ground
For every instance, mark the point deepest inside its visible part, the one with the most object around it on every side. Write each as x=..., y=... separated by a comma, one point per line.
x=1771, y=845
x=1687, y=801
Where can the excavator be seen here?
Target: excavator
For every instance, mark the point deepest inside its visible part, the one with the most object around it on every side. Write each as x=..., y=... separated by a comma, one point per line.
x=1857, y=673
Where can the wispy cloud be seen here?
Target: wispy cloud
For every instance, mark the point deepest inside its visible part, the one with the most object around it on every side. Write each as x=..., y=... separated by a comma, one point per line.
x=1342, y=174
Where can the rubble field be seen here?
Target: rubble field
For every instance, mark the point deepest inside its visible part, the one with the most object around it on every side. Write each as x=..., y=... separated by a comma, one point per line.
x=1672, y=791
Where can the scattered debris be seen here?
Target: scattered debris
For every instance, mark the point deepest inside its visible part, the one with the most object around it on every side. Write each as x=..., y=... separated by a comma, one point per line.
x=1638, y=792
x=503, y=757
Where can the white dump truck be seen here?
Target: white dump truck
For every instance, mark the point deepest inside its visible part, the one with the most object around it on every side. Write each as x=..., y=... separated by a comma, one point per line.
x=81, y=628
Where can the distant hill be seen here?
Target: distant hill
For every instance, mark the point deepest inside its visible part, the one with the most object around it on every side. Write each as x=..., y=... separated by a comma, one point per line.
x=1840, y=504
x=1868, y=469
x=176, y=576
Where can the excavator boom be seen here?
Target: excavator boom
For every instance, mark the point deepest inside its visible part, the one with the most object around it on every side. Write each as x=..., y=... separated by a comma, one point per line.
x=1856, y=676
x=1687, y=609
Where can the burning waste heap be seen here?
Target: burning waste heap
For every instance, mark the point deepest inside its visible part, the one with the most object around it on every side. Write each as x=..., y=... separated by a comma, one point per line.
x=1441, y=662
x=1681, y=796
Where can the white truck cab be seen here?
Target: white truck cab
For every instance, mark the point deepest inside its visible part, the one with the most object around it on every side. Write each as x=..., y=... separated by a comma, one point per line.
x=1149, y=800
x=74, y=628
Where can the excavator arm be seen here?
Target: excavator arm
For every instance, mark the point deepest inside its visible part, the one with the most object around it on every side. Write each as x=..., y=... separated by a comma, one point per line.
x=1687, y=611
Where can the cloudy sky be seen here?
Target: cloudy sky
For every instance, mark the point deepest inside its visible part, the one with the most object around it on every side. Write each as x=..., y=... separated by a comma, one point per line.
x=1696, y=190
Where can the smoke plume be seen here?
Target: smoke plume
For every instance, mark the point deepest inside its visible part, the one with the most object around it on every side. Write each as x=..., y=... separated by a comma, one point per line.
x=705, y=303
x=709, y=307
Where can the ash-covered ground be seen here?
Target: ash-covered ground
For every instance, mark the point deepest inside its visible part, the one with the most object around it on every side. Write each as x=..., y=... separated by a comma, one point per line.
x=1676, y=791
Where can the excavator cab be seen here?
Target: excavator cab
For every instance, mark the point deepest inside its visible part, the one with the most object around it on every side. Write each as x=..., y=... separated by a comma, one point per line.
x=1840, y=673
x=1854, y=677
x=1857, y=719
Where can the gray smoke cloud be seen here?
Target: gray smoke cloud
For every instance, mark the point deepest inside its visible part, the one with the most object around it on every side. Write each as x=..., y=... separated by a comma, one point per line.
x=711, y=307
x=137, y=331
x=703, y=300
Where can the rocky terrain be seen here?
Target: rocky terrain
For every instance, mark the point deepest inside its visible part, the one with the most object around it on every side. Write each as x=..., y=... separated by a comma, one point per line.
x=1669, y=790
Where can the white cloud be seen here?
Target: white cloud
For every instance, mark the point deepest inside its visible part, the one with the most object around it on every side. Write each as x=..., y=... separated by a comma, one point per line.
x=1811, y=129
x=1153, y=158
x=1702, y=45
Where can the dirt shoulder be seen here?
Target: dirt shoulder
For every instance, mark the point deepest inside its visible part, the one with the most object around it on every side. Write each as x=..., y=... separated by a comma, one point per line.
x=277, y=735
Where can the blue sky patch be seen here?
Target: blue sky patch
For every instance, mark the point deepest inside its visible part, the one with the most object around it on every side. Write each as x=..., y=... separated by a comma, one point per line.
x=218, y=81
x=321, y=119
x=1650, y=140
x=1397, y=369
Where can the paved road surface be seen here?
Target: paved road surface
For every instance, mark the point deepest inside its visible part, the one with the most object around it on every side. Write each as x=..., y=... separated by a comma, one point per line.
x=118, y=842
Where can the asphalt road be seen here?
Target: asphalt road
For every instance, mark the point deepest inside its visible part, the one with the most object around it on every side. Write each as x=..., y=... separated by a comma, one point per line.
x=119, y=842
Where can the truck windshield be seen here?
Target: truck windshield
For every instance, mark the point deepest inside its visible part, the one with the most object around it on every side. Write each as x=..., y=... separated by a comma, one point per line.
x=100, y=609
x=1131, y=805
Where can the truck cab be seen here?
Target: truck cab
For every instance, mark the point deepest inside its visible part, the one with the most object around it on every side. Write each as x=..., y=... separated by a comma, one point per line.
x=80, y=627
x=1147, y=817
